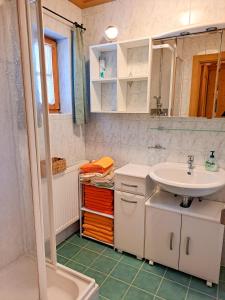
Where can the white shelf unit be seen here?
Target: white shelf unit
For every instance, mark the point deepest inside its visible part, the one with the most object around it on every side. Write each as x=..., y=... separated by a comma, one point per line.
x=125, y=88
x=103, y=90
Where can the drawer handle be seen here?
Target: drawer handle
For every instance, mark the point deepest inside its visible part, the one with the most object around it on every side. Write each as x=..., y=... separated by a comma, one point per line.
x=171, y=240
x=128, y=201
x=187, y=245
x=129, y=185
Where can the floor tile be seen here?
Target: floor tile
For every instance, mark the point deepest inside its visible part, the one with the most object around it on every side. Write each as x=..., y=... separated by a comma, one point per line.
x=170, y=290
x=99, y=277
x=199, y=284
x=68, y=250
x=113, y=289
x=97, y=247
x=124, y=272
x=178, y=276
x=77, y=240
x=61, y=260
x=147, y=281
x=104, y=264
x=156, y=269
x=131, y=260
x=60, y=245
x=109, y=252
x=85, y=257
x=194, y=295
x=76, y=266
x=221, y=292
x=136, y=294
x=222, y=274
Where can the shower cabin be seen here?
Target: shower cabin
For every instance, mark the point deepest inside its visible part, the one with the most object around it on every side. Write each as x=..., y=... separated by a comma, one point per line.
x=28, y=266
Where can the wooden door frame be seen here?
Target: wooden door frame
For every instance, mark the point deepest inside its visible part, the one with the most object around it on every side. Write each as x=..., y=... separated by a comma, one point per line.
x=198, y=60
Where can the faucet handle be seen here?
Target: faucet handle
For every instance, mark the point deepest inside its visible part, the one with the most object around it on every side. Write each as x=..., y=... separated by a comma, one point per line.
x=191, y=158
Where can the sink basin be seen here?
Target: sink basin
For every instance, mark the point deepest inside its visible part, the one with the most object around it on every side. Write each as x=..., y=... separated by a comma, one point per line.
x=173, y=178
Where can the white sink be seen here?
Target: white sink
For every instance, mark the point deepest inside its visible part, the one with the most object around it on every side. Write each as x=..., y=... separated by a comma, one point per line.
x=173, y=178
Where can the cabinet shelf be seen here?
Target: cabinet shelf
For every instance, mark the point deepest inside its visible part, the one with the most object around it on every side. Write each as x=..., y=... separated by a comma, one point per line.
x=133, y=78
x=97, y=213
x=105, y=80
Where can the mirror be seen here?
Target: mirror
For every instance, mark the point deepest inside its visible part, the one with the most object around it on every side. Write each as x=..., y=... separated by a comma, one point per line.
x=188, y=76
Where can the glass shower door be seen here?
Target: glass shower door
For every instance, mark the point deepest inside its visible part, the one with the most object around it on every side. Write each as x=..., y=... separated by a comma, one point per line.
x=18, y=254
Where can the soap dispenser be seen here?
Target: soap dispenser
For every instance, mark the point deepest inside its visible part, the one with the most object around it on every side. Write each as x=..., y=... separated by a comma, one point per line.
x=211, y=164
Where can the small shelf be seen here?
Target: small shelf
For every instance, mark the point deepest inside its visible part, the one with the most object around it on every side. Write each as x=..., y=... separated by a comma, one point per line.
x=89, y=237
x=97, y=213
x=105, y=80
x=134, y=78
x=125, y=88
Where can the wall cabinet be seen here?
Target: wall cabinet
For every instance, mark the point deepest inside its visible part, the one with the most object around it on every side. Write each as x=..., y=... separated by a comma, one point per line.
x=187, y=239
x=124, y=87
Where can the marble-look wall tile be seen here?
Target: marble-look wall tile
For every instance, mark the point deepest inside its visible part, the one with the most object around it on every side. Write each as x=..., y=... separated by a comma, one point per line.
x=67, y=139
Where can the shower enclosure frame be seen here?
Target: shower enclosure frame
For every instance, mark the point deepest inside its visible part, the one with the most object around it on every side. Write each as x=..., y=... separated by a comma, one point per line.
x=28, y=82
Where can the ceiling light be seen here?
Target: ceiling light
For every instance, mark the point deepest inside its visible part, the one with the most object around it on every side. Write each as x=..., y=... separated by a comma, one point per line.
x=111, y=33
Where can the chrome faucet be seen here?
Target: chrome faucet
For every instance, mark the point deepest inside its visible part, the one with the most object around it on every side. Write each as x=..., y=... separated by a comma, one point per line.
x=190, y=164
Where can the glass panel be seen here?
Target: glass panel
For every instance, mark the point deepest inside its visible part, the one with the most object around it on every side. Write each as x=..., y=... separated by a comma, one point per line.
x=18, y=264
x=50, y=88
x=40, y=124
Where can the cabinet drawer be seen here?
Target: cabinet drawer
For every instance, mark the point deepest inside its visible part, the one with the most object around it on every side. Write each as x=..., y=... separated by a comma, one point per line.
x=129, y=223
x=130, y=184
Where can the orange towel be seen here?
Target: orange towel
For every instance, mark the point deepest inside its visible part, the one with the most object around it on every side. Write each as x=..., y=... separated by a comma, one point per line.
x=95, y=217
x=98, y=226
x=99, y=237
x=97, y=190
x=110, y=206
x=98, y=222
x=98, y=230
x=98, y=166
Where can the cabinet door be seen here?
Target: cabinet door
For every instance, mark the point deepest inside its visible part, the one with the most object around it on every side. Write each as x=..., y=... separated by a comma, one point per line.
x=162, y=236
x=129, y=223
x=201, y=246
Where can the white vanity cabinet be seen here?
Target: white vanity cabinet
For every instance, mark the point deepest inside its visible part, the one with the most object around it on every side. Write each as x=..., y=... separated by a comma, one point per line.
x=163, y=237
x=187, y=239
x=129, y=223
x=200, y=248
x=133, y=187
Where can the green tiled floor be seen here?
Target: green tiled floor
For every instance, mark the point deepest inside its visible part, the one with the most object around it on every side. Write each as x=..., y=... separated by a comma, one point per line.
x=122, y=276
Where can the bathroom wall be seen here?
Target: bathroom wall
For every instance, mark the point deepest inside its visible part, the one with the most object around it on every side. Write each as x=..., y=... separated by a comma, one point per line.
x=129, y=138
x=67, y=139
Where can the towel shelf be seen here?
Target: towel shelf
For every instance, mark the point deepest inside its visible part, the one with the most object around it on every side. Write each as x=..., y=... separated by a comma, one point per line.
x=97, y=213
x=103, y=191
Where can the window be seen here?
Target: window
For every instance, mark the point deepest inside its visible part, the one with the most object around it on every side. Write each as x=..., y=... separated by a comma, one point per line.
x=52, y=78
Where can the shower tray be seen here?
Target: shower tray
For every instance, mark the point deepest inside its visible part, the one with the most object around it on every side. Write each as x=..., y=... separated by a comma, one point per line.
x=18, y=281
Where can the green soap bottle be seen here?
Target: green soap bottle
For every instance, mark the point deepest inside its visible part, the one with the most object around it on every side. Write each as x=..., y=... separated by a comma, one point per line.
x=211, y=164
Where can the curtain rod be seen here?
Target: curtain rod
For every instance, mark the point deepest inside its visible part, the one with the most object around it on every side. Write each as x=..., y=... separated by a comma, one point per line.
x=74, y=23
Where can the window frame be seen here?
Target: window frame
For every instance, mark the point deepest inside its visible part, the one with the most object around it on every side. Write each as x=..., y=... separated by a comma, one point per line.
x=54, y=108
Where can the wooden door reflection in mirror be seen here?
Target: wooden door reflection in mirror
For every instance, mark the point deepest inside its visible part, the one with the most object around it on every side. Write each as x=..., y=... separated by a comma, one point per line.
x=203, y=91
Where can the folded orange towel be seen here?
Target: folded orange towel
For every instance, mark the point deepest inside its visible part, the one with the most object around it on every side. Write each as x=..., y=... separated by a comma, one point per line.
x=98, y=226
x=99, y=237
x=97, y=222
x=99, y=166
x=105, y=205
x=97, y=230
x=98, y=218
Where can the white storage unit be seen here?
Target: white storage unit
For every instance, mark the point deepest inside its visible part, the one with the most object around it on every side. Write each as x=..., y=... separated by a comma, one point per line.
x=125, y=87
x=187, y=239
x=133, y=187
